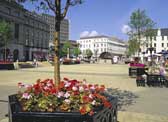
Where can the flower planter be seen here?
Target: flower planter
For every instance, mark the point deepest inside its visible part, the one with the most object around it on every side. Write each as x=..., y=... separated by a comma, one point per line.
x=157, y=80
x=140, y=81
x=101, y=115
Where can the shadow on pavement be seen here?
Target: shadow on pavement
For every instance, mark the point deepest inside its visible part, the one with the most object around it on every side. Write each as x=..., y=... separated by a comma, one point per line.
x=125, y=98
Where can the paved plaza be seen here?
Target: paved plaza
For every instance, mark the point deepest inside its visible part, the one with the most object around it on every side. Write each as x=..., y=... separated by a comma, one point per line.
x=136, y=104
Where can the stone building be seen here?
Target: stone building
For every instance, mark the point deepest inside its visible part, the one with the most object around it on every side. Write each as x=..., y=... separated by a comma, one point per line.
x=64, y=28
x=30, y=32
x=102, y=46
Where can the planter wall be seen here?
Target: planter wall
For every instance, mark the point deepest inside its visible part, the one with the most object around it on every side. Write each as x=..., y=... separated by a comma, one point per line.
x=103, y=115
x=7, y=66
x=157, y=80
x=136, y=71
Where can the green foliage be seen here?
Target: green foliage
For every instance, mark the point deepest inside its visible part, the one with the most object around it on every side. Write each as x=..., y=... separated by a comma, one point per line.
x=88, y=53
x=67, y=45
x=5, y=33
x=76, y=51
x=141, y=25
x=133, y=46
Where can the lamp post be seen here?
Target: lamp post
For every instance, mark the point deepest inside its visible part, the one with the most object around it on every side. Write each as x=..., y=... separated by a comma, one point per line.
x=143, y=56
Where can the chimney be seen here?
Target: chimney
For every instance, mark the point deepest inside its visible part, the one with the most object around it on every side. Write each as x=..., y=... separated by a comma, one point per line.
x=159, y=32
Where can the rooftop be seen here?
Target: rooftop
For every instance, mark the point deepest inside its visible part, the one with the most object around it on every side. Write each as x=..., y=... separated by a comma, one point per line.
x=91, y=37
x=164, y=31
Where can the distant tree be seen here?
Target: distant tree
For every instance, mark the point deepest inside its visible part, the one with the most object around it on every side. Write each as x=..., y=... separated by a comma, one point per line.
x=88, y=53
x=133, y=46
x=66, y=49
x=76, y=51
x=139, y=24
x=5, y=35
x=60, y=9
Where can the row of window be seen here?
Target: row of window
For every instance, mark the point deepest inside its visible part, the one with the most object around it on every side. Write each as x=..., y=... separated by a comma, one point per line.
x=86, y=41
x=154, y=38
x=162, y=44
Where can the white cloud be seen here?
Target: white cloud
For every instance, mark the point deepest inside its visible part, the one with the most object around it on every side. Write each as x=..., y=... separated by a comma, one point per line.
x=84, y=34
x=93, y=33
x=89, y=34
x=125, y=29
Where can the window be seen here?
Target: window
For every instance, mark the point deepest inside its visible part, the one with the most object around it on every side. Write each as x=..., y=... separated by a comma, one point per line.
x=162, y=37
x=16, y=31
x=162, y=44
x=16, y=13
x=154, y=51
x=154, y=38
x=154, y=44
x=8, y=10
x=146, y=45
x=167, y=44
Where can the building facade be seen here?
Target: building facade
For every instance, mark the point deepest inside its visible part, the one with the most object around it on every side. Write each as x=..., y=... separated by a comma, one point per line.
x=30, y=32
x=64, y=28
x=102, y=44
x=158, y=42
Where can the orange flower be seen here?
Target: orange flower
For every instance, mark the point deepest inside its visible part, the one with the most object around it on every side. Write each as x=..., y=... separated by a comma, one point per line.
x=61, y=85
x=107, y=104
x=83, y=110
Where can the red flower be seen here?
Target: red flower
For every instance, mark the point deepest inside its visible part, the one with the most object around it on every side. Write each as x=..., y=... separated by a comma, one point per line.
x=66, y=79
x=83, y=110
x=61, y=85
x=107, y=104
x=86, y=99
x=53, y=91
x=91, y=113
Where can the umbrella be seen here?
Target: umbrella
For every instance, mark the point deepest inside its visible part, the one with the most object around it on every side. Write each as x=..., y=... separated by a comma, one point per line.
x=164, y=52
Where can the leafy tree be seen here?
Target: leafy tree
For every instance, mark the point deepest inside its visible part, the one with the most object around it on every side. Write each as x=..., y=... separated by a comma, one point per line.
x=76, y=51
x=88, y=53
x=5, y=35
x=133, y=46
x=60, y=9
x=139, y=24
x=66, y=48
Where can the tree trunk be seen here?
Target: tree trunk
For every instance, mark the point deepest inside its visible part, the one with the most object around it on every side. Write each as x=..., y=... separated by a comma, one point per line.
x=57, y=42
x=68, y=53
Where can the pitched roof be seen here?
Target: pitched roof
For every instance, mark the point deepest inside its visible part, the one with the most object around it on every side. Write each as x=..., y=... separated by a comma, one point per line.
x=91, y=37
x=164, y=32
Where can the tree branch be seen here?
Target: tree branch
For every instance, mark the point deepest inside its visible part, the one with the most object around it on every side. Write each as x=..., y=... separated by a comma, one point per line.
x=66, y=9
x=50, y=5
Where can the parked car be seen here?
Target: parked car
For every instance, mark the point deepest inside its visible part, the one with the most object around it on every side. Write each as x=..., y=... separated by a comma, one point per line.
x=127, y=61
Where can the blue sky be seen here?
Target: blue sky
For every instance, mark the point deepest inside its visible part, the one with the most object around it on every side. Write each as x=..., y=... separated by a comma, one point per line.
x=108, y=17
